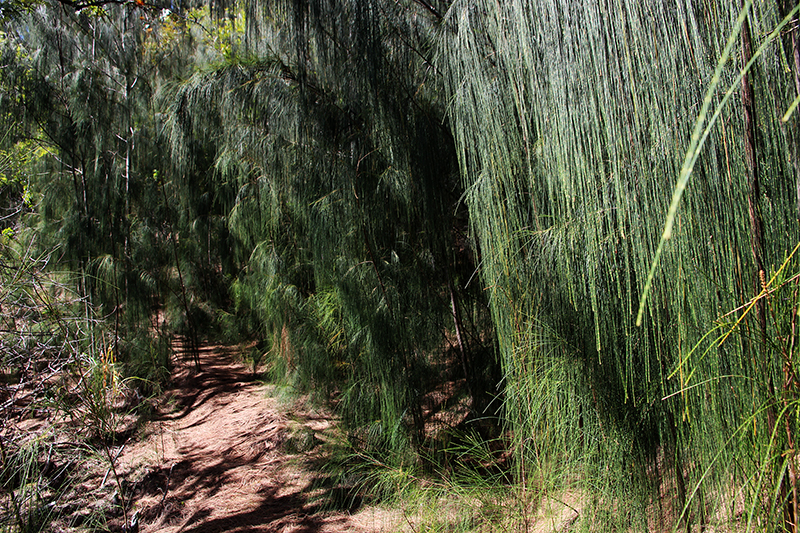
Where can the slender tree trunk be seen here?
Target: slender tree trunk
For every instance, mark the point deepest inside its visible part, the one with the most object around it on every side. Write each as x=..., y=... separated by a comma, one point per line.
x=462, y=347
x=752, y=169
x=193, y=341
x=757, y=251
x=127, y=221
x=793, y=49
x=754, y=192
x=790, y=384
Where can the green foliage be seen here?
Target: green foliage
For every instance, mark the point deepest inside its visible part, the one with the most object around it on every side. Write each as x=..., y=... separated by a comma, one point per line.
x=570, y=125
x=101, y=386
x=343, y=213
x=759, y=445
x=149, y=361
x=380, y=197
x=100, y=177
x=24, y=484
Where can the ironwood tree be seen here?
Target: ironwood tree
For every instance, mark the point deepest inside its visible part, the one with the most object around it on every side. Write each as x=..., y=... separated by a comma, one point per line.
x=582, y=214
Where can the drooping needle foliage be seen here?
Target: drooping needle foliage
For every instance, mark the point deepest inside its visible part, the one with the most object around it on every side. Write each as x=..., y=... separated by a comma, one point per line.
x=402, y=201
x=347, y=206
x=571, y=123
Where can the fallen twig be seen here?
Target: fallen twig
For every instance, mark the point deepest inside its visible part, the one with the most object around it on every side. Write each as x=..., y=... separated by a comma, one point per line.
x=166, y=485
x=113, y=461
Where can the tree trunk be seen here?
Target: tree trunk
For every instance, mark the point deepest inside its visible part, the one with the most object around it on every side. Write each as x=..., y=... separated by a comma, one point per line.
x=757, y=251
x=194, y=346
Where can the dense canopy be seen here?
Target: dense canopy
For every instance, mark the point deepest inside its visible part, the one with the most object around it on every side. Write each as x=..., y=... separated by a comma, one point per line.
x=577, y=219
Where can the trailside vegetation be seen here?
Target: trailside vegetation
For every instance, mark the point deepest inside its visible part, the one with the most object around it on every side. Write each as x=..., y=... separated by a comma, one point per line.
x=553, y=242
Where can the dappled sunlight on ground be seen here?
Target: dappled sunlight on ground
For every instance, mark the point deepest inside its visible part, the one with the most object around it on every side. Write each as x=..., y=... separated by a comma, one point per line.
x=215, y=459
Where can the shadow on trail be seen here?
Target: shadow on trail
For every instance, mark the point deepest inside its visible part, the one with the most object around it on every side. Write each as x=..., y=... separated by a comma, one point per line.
x=219, y=376
x=275, y=513
x=229, y=470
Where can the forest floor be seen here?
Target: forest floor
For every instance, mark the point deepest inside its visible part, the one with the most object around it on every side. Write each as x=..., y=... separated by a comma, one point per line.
x=226, y=454
x=221, y=451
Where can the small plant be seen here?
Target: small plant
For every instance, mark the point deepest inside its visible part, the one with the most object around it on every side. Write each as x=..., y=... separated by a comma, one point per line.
x=101, y=393
x=25, y=487
x=100, y=386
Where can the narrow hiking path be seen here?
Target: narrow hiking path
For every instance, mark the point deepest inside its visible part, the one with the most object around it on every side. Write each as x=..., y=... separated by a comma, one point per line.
x=215, y=459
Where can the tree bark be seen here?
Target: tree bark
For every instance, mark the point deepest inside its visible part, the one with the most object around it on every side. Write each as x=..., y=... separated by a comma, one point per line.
x=792, y=47
x=757, y=251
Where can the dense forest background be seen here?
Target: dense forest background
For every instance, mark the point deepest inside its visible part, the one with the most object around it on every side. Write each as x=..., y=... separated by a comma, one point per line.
x=577, y=219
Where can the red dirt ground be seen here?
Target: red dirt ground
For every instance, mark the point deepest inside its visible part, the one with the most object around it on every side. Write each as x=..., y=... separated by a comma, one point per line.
x=222, y=453
x=215, y=460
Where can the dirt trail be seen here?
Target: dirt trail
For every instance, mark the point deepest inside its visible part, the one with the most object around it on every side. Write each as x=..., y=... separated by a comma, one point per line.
x=216, y=460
